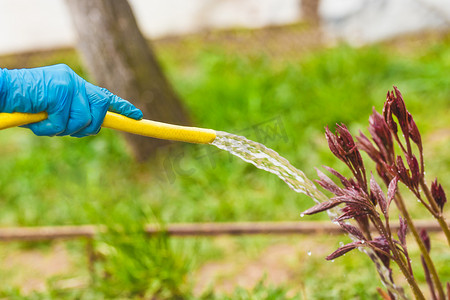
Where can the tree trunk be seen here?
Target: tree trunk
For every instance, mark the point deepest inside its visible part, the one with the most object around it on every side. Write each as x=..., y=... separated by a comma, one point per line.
x=120, y=59
x=310, y=12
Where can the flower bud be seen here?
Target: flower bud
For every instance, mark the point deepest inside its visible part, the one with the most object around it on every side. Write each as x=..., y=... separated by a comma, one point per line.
x=387, y=113
x=414, y=133
x=416, y=175
x=438, y=194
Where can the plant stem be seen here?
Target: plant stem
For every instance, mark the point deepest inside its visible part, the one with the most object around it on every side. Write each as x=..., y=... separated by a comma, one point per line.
x=401, y=206
x=427, y=206
x=399, y=260
x=444, y=226
x=439, y=216
x=411, y=281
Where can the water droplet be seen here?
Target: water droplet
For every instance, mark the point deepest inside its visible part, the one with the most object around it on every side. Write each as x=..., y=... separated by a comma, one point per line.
x=302, y=215
x=341, y=244
x=332, y=260
x=362, y=242
x=309, y=253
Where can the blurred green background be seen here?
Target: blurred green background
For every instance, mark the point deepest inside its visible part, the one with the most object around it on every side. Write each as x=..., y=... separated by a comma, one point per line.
x=228, y=87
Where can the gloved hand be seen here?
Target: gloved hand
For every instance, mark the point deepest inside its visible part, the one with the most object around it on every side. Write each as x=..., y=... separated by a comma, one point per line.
x=75, y=107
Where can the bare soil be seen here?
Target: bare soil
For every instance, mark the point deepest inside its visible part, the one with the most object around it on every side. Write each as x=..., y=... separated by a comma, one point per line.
x=30, y=269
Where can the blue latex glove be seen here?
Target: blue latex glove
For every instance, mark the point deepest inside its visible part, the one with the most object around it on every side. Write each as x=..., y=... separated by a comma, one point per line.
x=75, y=107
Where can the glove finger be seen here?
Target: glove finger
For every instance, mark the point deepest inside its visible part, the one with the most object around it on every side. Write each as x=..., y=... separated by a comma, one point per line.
x=99, y=103
x=123, y=107
x=53, y=125
x=80, y=114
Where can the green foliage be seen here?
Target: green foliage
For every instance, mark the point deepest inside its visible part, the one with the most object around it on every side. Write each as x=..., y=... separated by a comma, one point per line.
x=134, y=265
x=60, y=181
x=261, y=291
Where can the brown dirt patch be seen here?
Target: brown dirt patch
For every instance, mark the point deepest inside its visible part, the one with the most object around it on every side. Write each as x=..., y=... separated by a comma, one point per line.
x=279, y=264
x=30, y=269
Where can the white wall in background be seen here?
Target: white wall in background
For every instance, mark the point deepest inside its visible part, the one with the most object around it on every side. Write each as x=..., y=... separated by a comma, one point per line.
x=34, y=24
x=27, y=25
x=366, y=21
x=164, y=17
x=44, y=24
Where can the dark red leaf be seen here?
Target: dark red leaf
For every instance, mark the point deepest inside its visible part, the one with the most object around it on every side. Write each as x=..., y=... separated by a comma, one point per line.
x=426, y=240
x=333, y=144
x=414, y=169
x=342, y=250
x=345, y=137
x=346, y=216
x=328, y=184
x=387, y=113
x=353, y=231
x=351, y=212
x=378, y=194
x=382, y=244
x=383, y=172
x=350, y=153
x=365, y=145
x=414, y=133
x=345, y=182
x=403, y=173
x=398, y=108
x=392, y=190
x=380, y=128
x=321, y=207
x=381, y=134
x=402, y=231
x=358, y=200
x=363, y=223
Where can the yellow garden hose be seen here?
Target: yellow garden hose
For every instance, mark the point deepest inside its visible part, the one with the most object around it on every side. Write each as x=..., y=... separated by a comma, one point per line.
x=115, y=121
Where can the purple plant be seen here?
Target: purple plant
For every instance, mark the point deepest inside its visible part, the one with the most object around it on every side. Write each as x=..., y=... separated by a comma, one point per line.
x=365, y=203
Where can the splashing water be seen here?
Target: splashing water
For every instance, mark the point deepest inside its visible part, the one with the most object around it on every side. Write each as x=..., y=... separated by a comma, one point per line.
x=268, y=160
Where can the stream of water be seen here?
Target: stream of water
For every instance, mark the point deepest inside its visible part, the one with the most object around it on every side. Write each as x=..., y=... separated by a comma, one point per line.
x=268, y=160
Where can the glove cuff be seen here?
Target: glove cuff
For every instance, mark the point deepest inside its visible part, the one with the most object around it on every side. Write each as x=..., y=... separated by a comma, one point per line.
x=1, y=80
x=2, y=88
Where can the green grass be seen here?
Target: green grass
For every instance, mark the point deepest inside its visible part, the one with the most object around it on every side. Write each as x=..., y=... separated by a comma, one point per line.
x=59, y=181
